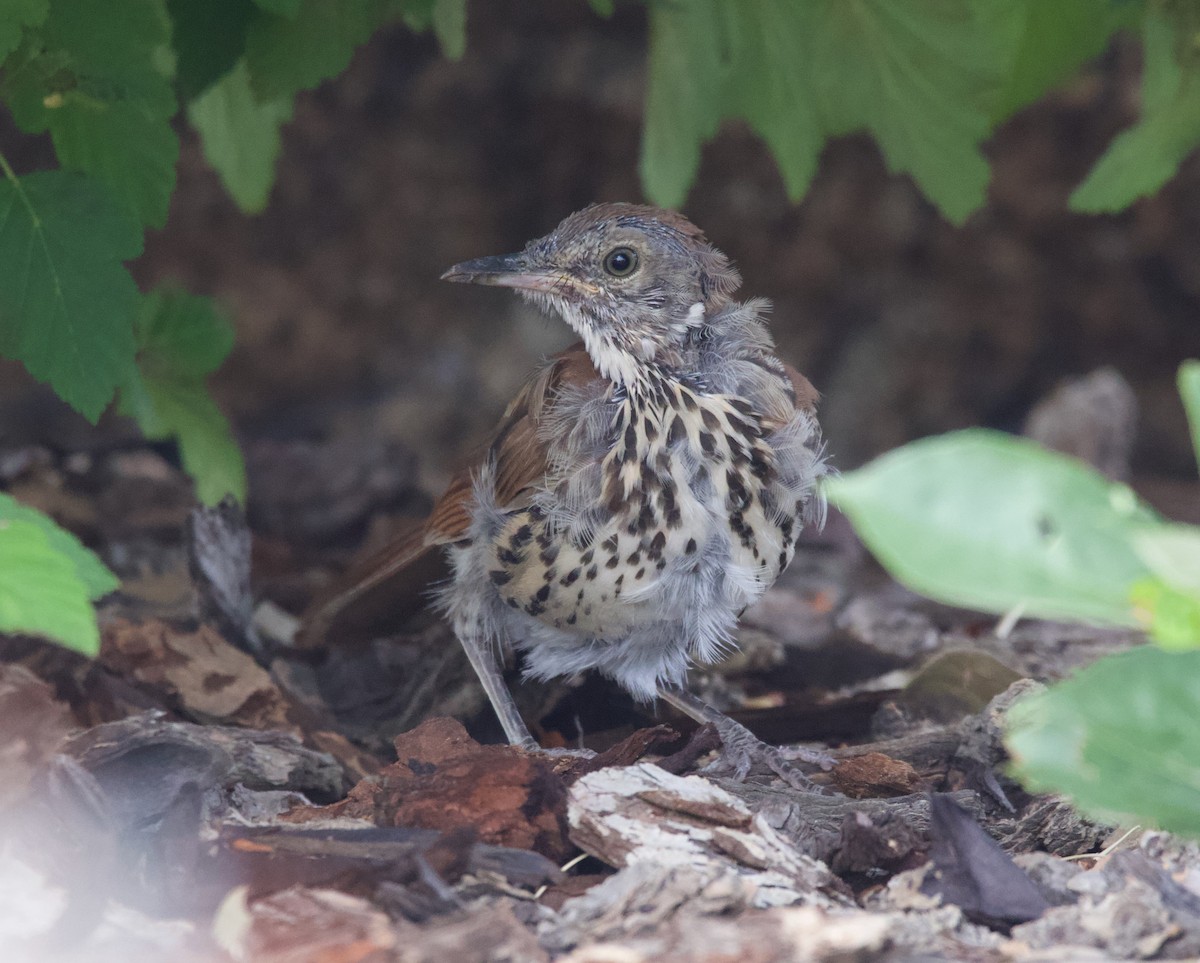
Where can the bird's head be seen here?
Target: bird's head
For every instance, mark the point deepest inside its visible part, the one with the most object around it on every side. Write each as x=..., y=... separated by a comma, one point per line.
x=635, y=282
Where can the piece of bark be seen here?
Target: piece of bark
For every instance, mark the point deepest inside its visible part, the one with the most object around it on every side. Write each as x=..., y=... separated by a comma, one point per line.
x=1128, y=923
x=794, y=934
x=445, y=780
x=218, y=547
x=874, y=774
x=302, y=925
x=488, y=934
x=263, y=760
x=641, y=898
x=1052, y=825
x=704, y=740
x=870, y=843
x=34, y=725
x=411, y=872
x=626, y=752
x=204, y=676
x=643, y=814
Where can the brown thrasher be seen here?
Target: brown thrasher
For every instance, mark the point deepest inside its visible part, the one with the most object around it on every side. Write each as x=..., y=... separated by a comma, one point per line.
x=643, y=487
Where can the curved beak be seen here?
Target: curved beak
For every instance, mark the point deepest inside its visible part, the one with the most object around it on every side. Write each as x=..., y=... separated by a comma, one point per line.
x=506, y=271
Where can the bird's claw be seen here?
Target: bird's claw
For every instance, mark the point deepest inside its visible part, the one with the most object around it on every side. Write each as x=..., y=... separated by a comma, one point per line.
x=741, y=749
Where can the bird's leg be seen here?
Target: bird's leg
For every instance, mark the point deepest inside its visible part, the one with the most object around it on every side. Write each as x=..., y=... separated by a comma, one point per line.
x=480, y=656
x=741, y=747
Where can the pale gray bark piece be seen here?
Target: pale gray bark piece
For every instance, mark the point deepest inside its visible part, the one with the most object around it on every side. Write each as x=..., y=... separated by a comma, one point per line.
x=642, y=897
x=640, y=814
x=798, y=934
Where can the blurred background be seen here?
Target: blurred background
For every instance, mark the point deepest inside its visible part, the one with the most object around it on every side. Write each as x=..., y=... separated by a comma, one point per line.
x=410, y=162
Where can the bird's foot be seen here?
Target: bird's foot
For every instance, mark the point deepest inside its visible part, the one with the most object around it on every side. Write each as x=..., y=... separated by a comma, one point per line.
x=742, y=750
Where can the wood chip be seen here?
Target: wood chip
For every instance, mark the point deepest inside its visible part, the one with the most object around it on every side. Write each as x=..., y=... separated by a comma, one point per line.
x=643, y=814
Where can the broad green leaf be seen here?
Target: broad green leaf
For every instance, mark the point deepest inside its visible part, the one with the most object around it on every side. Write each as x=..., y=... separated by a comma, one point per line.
x=1119, y=737
x=181, y=334
x=922, y=77
x=240, y=136
x=684, y=93
x=40, y=590
x=1144, y=157
x=1189, y=391
x=1056, y=39
x=1172, y=616
x=985, y=520
x=167, y=408
x=284, y=8
x=121, y=145
x=99, y=80
x=67, y=303
x=1172, y=552
x=773, y=97
x=96, y=578
x=209, y=38
x=450, y=26
x=289, y=55
x=1170, y=601
x=15, y=16
x=181, y=338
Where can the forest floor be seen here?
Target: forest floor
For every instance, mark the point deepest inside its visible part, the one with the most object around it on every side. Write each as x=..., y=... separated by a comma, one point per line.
x=204, y=790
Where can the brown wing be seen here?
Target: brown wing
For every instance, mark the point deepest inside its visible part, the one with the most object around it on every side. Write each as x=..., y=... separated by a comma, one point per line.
x=781, y=395
x=392, y=584
x=806, y=396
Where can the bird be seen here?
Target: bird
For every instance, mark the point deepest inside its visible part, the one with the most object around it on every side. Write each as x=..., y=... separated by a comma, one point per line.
x=643, y=487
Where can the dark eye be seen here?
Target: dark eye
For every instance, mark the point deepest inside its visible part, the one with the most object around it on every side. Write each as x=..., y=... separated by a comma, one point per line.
x=621, y=262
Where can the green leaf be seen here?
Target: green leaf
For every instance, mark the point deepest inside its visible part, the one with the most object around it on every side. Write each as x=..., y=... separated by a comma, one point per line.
x=182, y=338
x=1189, y=391
x=181, y=335
x=450, y=26
x=1119, y=737
x=284, y=8
x=67, y=304
x=602, y=7
x=1173, y=616
x=1057, y=38
x=1172, y=552
x=985, y=520
x=120, y=145
x=1170, y=601
x=99, y=80
x=774, y=97
x=96, y=578
x=40, y=591
x=15, y=16
x=684, y=91
x=240, y=136
x=209, y=38
x=1144, y=157
x=921, y=76
x=289, y=55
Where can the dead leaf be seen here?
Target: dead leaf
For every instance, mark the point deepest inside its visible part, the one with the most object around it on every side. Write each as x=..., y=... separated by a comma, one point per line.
x=208, y=678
